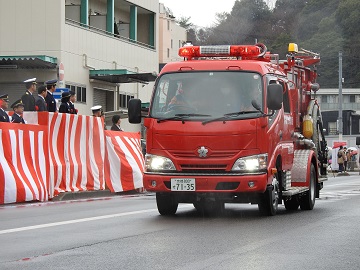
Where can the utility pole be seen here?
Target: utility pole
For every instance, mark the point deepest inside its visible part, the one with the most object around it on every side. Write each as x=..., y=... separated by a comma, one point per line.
x=340, y=97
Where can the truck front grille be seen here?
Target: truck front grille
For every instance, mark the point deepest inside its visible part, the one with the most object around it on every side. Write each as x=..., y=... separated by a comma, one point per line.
x=202, y=167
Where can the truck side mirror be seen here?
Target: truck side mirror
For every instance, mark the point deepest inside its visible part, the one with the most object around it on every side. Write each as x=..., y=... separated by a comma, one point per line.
x=274, y=96
x=134, y=111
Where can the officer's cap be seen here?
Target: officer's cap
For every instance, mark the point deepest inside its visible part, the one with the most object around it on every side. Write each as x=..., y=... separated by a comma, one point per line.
x=65, y=94
x=17, y=103
x=51, y=82
x=32, y=80
x=96, y=108
x=4, y=97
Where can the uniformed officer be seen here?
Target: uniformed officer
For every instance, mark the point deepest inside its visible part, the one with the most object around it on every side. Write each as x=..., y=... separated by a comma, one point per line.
x=40, y=103
x=50, y=100
x=71, y=103
x=18, y=108
x=4, y=104
x=28, y=99
x=96, y=110
x=64, y=106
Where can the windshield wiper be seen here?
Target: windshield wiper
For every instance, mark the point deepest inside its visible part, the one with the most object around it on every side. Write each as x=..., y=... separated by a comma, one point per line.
x=181, y=116
x=228, y=116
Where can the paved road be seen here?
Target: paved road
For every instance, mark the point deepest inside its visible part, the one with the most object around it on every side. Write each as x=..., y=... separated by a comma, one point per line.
x=128, y=233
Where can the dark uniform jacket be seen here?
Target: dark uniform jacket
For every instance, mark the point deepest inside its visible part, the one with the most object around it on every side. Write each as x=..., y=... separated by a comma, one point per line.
x=4, y=117
x=115, y=128
x=72, y=108
x=29, y=101
x=40, y=104
x=15, y=118
x=64, y=107
x=51, y=103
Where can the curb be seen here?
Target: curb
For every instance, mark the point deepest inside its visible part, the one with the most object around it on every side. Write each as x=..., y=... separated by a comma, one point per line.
x=65, y=196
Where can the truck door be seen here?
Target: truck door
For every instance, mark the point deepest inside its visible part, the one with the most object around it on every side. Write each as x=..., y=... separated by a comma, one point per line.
x=287, y=150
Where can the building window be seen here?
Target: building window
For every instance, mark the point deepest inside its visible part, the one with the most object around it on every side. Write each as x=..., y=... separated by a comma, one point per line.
x=324, y=98
x=171, y=44
x=333, y=130
x=79, y=90
x=179, y=44
x=168, y=25
x=168, y=53
x=124, y=99
x=352, y=98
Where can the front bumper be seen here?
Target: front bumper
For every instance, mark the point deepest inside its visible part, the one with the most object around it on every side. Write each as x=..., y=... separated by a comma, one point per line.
x=247, y=183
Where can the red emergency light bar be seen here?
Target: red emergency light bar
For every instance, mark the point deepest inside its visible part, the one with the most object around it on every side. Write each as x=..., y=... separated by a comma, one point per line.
x=243, y=51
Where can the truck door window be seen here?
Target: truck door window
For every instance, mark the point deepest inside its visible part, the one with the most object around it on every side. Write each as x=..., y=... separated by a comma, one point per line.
x=286, y=102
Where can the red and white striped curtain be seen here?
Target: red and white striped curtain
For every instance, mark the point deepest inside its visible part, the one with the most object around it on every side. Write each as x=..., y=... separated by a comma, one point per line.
x=23, y=163
x=124, y=161
x=77, y=151
x=65, y=153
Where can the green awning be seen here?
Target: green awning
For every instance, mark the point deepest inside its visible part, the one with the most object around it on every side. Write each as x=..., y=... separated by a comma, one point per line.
x=28, y=62
x=121, y=76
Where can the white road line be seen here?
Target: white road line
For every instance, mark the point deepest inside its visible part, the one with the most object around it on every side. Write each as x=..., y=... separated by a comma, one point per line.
x=47, y=225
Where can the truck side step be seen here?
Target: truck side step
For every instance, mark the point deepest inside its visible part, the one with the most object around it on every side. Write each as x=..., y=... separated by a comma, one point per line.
x=294, y=190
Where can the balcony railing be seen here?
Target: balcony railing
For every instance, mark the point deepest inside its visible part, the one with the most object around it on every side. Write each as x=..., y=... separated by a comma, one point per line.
x=106, y=33
x=335, y=106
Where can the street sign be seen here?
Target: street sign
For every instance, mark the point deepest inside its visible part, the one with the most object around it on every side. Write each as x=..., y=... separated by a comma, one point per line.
x=58, y=91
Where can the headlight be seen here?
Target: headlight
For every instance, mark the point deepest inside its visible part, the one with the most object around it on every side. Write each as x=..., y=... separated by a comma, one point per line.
x=158, y=163
x=251, y=163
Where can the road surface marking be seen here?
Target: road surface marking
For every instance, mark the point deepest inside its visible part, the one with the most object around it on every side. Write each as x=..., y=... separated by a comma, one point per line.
x=47, y=225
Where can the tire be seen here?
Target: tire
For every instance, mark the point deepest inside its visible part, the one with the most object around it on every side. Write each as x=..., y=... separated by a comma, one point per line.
x=307, y=201
x=269, y=200
x=166, y=204
x=292, y=204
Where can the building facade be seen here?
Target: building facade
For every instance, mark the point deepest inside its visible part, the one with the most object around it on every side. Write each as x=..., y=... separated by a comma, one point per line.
x=329, y=104
x=107, y=51
x=171, y=35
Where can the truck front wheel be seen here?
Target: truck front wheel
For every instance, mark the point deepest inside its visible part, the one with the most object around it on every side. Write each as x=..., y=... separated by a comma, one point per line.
x=307, y=201
x=166, y=204
x=269, y=201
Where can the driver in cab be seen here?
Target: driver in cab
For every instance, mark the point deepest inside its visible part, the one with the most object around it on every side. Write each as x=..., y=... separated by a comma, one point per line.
x=184, y=99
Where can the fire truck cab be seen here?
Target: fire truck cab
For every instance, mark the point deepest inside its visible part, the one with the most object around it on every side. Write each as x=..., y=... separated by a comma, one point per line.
x=234, y=124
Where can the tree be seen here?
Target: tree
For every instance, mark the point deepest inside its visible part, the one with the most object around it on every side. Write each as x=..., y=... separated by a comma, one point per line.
x=185, y=22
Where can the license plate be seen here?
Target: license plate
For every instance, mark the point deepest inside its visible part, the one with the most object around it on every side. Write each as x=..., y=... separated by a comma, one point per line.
x=183, y=184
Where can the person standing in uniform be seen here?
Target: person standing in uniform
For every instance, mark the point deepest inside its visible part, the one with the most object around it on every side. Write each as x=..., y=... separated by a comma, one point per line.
x=64, y=106
x=116, y=123
x=40, y=102
x=71, y=103
x=4, y=104
x=18, y=108
x=96, y=110
x=50, y=100
x=28, y=99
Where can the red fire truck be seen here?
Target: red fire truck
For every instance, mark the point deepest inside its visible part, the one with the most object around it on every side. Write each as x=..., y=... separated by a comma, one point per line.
x=234, y=124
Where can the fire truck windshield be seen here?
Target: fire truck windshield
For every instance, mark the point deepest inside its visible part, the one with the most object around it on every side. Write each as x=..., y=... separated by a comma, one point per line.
x=207, y=95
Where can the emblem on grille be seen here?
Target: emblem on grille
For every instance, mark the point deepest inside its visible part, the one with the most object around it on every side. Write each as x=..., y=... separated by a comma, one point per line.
x=203, y=151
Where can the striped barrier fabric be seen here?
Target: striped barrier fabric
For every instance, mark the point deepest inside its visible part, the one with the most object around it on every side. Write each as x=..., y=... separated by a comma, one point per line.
x=124, y=161
x=23, y=163
x=77, y=151
x=67, y=153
